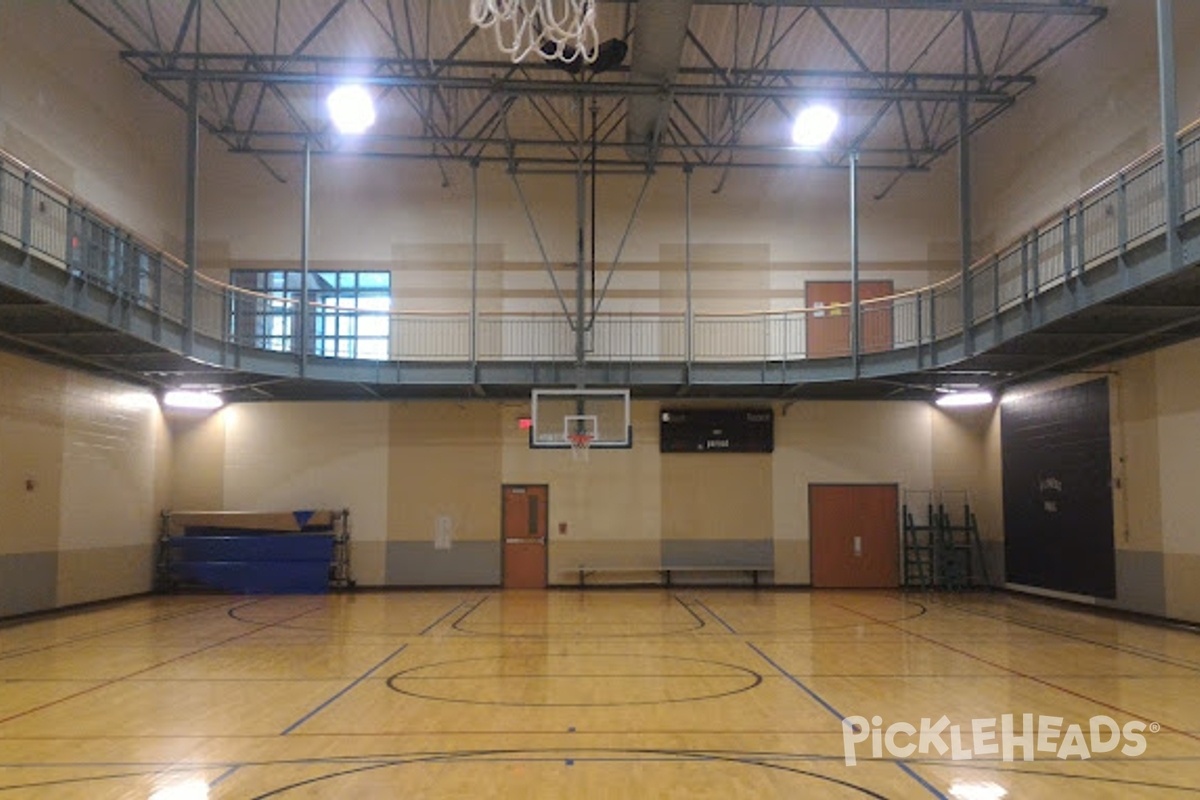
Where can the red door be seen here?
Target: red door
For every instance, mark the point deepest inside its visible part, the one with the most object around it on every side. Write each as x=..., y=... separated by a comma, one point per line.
x=855, y=538
x=525, y=517
x=827, y=326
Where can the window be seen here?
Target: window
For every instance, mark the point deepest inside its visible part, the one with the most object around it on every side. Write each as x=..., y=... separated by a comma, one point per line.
x=349, y=318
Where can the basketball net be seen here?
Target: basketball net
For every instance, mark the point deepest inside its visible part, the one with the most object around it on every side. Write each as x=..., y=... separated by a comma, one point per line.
x=522, y=27
x=581, y=444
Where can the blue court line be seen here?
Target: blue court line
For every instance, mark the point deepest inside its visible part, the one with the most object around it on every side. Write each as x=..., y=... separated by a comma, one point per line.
x=356, y=682
x=715, y=615
x=904, y=767
x=223, y=776
x=434, y=624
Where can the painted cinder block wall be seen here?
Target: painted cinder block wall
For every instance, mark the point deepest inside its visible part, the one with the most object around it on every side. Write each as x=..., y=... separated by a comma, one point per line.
x=84, y=471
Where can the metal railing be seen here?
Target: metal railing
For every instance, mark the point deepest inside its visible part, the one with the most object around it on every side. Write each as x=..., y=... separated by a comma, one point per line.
x=43, y=219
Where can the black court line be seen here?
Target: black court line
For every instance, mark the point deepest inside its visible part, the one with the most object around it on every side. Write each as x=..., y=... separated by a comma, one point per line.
x=1149, y=655
x=109, y=631
x=332, y=699
x=714, y=615
x=700, y=623
x=841, y=719
x=112, y=681
x=1004, y=766
x=467, y=613
x=777, y=633
x=612, y=755
x=749, y=677
x=434, y=624
x=1033, y=678
x=358, y=764
x=458, y=626
x=568, y=756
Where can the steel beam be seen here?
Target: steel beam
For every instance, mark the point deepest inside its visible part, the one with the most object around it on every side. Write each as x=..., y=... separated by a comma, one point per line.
x=566, y=88
x=1169, y=111
x=855, y=304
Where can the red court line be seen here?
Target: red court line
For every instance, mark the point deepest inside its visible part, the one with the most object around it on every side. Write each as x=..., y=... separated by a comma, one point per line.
x=1020, y=674
x=144, y=670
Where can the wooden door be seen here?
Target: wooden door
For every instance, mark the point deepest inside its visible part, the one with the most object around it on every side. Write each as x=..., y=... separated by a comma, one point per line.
x=525, y=523
x=827, y=327
x=854, y=535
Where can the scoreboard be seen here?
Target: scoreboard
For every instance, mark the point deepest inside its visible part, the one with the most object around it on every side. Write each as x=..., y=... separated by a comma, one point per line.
x=717, y=430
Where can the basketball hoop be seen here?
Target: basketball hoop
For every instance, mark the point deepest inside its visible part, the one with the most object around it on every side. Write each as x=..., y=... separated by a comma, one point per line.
x=557, y=30
x=581, y=444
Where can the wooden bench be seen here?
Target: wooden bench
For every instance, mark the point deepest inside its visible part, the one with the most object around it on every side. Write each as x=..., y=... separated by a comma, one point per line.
x=664, y=571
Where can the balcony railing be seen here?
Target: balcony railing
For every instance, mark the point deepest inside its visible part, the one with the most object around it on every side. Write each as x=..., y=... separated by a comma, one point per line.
x=44, y=220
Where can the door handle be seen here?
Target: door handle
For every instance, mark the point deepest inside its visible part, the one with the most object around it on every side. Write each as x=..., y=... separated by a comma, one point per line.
x=858, y=547
x=526, y=540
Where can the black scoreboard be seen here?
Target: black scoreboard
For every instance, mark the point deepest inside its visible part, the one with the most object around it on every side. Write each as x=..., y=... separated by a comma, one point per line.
x=717, y=430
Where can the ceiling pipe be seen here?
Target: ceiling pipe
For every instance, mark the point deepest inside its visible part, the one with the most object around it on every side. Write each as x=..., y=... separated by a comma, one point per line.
x=660, y=32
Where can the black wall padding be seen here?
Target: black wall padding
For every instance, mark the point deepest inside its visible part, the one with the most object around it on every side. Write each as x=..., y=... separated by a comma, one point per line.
x=1058, y=505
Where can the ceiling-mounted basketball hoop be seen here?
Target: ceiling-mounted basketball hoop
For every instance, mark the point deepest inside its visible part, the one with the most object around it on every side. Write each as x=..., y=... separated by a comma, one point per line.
x=557, y=30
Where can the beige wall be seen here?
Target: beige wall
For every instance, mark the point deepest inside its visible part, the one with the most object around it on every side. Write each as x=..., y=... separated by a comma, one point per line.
x=1094, y=110
x=444, y=461
x=284, y=456
x=84, y=466
x=400, y=466
x=841, y=442
x=1177, y=371
x=73, y=111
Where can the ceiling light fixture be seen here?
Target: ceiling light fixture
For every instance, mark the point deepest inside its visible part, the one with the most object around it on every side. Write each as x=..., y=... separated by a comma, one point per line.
x=192, y=400
x=964, y=399
x=814, y=126
x=351, y=108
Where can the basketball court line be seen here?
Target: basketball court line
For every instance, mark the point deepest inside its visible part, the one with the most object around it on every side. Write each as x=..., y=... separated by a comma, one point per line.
x=110, y=631
x=840, y=717
x=468, y=613
x=561, y=755
x=556, y=754
x=332, y=699
x=714, y=615
x=363, y=763
x=1149, y=655
x=112, y=681
x=1032, y=678
x=435, y=623
x=980, y=764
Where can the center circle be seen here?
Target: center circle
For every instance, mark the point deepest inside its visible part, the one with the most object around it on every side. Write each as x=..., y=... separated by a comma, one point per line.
x=574, y=680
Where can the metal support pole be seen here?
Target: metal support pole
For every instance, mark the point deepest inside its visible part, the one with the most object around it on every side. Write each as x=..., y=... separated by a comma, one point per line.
x=688, y=316
x=27, y=211
x=580, y=260
x=1170, y=126
x=474, y=326
x=855, y=310
x=192, y=203
x=964, y=218
x=305, y=232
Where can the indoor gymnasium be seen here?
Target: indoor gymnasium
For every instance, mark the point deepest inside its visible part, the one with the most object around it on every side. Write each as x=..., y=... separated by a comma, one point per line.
x=599, y=399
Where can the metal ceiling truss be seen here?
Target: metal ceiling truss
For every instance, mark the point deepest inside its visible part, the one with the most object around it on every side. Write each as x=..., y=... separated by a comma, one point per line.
x=900, y=79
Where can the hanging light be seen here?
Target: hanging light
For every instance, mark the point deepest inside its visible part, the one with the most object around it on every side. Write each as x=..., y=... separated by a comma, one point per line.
x=814, y=126
x=351, y=108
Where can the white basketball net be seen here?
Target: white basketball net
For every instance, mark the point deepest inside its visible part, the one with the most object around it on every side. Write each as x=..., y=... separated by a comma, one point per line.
x=524, y=26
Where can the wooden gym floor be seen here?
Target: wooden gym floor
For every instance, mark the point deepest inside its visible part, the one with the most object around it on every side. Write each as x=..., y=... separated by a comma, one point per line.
x=691, y=693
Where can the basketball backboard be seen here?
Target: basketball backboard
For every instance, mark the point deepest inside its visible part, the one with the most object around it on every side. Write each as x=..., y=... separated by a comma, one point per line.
x=559, y=414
